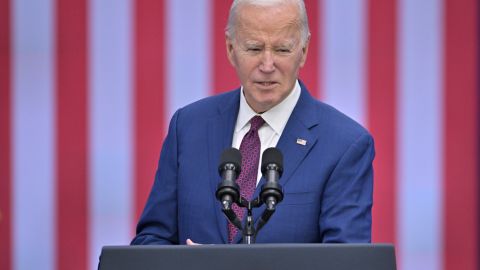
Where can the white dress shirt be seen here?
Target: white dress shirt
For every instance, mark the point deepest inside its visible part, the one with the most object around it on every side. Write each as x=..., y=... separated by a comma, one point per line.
x=275, y=121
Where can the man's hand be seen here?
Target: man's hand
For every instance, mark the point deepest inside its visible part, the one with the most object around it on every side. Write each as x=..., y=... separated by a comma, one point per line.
x=191, y=243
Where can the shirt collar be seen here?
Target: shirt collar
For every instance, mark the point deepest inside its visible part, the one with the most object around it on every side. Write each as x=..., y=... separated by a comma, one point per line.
x=276, y=117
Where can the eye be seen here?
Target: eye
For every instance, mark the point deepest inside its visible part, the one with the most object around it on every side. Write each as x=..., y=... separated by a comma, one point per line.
x=282, y=50
x=253, y=49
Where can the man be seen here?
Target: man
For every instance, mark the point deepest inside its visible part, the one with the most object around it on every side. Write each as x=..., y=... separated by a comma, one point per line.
x=327, y=178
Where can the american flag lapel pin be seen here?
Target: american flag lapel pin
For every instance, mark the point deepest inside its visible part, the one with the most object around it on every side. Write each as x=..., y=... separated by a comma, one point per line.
x=301, y=141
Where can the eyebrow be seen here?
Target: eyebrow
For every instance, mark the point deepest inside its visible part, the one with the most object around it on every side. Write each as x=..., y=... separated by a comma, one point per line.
x=290, y=43
x=252, y=43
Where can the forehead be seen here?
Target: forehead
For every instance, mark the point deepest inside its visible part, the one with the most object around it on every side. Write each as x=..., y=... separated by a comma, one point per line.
x=273, y=22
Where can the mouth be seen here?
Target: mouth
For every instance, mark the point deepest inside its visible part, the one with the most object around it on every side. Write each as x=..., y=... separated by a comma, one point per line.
x=266, y=84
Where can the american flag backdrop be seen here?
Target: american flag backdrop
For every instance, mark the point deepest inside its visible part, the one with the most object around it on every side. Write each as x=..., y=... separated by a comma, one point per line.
x=87, y=88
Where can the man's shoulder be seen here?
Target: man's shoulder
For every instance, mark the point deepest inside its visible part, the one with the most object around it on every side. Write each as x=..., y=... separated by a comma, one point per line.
x=336, y=132
x=323, y=116
x=211, y=105
x=333, y=125
x=339, y=120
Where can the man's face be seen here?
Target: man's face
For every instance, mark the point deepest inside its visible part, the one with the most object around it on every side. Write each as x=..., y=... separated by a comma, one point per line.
x=267, y=53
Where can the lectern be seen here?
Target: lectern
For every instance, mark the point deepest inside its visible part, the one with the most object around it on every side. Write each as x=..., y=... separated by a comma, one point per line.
x=246, y=257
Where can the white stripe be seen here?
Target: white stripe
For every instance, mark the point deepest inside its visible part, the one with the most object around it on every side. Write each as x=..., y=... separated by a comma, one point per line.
x=420, y=140
x=344, y=28
x=188, y=57
x=33, y=135
x=111, y=127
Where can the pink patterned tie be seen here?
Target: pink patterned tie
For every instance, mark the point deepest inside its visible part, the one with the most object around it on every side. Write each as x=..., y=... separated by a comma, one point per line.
x=250, y=149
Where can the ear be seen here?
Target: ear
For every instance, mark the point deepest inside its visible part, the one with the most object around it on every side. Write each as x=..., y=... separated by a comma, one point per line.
x=305, y=52
x=229, y=47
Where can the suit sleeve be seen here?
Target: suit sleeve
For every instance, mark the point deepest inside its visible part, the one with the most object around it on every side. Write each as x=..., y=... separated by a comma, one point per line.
x=347, y=201
x=158, y=222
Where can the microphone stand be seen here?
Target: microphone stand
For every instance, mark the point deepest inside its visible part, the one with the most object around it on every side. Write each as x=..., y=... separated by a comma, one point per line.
x=249, y=232
x=271, y=192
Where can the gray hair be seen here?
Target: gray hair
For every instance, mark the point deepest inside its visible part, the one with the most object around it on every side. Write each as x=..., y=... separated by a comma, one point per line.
x=305, y=32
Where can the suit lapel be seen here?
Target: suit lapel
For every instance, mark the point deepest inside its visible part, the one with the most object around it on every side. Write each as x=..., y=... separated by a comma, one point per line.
x=302, y=119
x=220, y=133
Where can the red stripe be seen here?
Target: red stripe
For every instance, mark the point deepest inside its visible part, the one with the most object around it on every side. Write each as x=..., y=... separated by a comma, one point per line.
x=310, y=73
x=5, y=168
x=150, y=94
x=223, y=76
x=381, y=85
x=72, y=144
x=478, y=129
x=461, y=135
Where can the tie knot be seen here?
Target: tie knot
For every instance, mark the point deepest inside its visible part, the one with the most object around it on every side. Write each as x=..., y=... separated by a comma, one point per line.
x=256, y=122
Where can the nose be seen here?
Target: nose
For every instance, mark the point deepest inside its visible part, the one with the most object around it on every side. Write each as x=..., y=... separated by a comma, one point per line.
x=268, y=64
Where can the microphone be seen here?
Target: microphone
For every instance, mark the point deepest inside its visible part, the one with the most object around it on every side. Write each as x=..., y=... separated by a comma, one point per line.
x=272, y=169
x=229, y=169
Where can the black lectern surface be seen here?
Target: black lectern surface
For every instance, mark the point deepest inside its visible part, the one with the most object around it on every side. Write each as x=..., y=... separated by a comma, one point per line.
x=245, y=257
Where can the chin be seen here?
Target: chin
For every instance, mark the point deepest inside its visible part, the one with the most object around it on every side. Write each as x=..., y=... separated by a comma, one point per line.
x=266, y=105
x=264, y=100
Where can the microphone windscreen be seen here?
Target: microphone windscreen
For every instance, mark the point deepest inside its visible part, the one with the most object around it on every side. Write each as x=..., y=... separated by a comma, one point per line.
x=272, y=155
x=231, y=155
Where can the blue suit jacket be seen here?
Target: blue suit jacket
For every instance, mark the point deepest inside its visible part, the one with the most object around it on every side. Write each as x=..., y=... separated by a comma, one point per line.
x=327, y=182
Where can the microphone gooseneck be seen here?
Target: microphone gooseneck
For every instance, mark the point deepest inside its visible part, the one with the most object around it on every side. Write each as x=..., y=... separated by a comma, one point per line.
x=272, y=169
x=228, y=191
x=229, y=169
x=271, y=193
